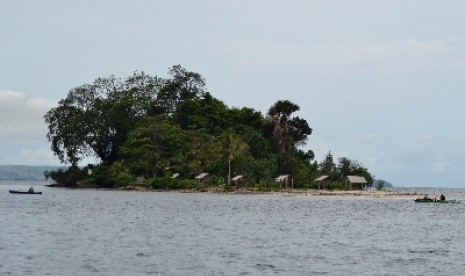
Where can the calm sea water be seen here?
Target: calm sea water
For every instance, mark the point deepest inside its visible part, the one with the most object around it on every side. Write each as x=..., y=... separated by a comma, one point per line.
x=90, y=232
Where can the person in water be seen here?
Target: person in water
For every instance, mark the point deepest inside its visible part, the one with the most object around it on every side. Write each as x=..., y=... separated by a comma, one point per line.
x=31, y=190
x=442, y=197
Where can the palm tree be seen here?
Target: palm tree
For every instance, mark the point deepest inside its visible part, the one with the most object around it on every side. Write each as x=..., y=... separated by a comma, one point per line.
x=288, y=131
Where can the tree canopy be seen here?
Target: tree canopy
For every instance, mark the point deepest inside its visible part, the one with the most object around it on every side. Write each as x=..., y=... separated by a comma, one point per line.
x=95, y=119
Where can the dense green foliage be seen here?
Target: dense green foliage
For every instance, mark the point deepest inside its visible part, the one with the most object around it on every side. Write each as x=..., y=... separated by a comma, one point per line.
x=150, y=128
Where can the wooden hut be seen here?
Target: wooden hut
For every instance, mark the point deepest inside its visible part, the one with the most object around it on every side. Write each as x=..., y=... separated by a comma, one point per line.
x=286, y=179
x=321, y=180
x=237, y=178
x=202, y=177
x=355, y=182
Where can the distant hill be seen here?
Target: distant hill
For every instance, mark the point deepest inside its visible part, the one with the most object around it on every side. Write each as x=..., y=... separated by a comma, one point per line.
x=21, y=172
x=386, y=184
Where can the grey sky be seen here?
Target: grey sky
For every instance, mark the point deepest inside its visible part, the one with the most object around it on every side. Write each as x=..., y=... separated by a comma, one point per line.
x=380, y=82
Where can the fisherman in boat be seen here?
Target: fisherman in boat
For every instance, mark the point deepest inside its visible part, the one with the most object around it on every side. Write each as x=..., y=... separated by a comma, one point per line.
x=426, y=198
x=31, y=190
x=442, y=197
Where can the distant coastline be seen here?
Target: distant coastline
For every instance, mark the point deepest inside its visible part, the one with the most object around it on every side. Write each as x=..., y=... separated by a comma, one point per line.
x=25, y=172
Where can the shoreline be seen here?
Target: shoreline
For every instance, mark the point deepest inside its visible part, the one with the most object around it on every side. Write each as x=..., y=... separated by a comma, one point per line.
x=290, y=192
x=344, y=194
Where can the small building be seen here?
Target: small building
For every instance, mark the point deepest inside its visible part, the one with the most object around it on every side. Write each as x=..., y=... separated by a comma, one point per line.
x=201, y=177
x=321, y=180
x=175, y=175
x=286, y=179
x=237, y=178
x=355, y=182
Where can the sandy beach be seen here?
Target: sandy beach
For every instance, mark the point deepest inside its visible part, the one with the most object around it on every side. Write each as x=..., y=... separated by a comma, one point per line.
x=289, y=192
x=334, y=193
x=354, y=193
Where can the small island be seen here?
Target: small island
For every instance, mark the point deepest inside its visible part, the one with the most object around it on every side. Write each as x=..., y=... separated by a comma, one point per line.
x=171, y=134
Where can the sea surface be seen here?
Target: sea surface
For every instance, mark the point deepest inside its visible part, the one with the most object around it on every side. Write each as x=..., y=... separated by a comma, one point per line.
x=101, y=232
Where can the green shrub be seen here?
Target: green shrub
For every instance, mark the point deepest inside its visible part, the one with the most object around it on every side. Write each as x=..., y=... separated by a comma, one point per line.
x=166, y=183
x=69, y=177
x=229, y=188
x=335, y=185
x=121, y=174
x=102, y=177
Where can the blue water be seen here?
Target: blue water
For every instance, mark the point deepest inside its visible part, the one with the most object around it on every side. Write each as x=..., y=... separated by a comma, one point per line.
x=92, y=232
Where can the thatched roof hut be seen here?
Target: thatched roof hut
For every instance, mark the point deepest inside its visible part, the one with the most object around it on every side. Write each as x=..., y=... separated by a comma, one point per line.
x=356, y=182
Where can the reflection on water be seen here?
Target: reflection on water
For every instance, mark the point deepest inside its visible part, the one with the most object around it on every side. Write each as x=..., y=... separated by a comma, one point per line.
x=89, y=232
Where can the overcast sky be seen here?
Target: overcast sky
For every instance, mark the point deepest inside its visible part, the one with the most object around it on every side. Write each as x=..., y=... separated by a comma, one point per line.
x=380, y=82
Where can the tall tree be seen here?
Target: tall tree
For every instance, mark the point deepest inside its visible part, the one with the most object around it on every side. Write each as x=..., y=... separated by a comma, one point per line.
x=95, y=119
x=288, y=131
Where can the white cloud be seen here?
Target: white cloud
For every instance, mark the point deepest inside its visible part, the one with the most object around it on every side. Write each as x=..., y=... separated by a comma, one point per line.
x=21, y=116
x=10, y=99
x=23, y=129
x=39, y=104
